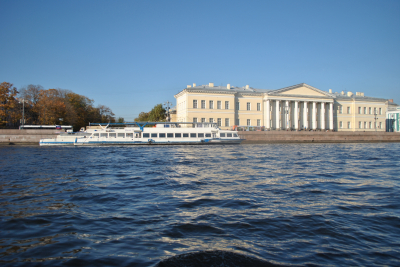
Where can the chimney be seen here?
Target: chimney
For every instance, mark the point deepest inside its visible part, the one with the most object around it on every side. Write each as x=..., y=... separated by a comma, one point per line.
x=189, y=86
x=210, y=84
x=228, y=86
x=247, y=86
x=194, y=85
x=330, y=91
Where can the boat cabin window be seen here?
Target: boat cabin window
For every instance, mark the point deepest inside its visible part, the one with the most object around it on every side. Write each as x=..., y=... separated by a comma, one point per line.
x=129, y=135
x=192, y=135
x=235, y=135
x=137, y=135
x=178, y=135
x=222, y=135
x=161, y=135
x=185, y=135
x=113, y=135
x=208, y=135
x=228, y=135
x=96, y=135
x=146, y=135
x=104, y=135
x=154, y=135
x=121, y=135
x=200, y=135
x=170, y=135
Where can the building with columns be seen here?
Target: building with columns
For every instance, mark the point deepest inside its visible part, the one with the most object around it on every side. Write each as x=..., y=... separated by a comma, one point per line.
x=297, y=107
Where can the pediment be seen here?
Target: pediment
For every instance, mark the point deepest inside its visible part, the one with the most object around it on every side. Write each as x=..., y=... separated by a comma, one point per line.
x=301, y=90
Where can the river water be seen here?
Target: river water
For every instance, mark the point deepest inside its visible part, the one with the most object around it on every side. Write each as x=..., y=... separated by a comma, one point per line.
x=289, y=204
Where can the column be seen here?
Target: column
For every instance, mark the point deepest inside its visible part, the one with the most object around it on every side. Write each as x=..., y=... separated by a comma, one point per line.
x=314, y=117
x=287, y=126
x=267, y=115
x=277, y=114
x=330, y=116
x=296, y=115
x=305, y=116
x=322, y=115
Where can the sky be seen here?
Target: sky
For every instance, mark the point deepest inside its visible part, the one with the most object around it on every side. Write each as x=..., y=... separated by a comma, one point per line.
x=132, y=55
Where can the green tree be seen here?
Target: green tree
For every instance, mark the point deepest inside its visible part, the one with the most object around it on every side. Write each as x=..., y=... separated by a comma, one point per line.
x=121, y=120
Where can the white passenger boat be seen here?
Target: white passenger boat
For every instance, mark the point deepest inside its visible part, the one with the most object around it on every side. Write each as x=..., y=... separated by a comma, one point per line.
x=148, y=133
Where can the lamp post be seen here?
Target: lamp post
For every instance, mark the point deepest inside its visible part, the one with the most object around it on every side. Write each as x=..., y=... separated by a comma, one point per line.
x=167, y=104
x=23, y=112
x=375, y=115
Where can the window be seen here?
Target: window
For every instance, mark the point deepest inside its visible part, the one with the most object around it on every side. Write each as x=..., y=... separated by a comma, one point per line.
x=170, y=135
x=208, y=135
x=113, y=135
x=340, y=109
x=194, y=103
x=359, y=110
x=348, y=110
x=258, y=106
x=226, y=104
x=154, y=135
x=192, y=135
x=370, y=110
x=211, y=104
x=380, y=125
x=248, y=105
x=375, y=111
x=340, y=124
x=258, y=122
x=359, y=125
x=161, y=135
x=237, y=106
x=365, y=110
x=370, y=125
x=121, y=135
x=178, y=135
x=105, y=135
x=348, y=125
x=203, y=119
x=200, y=135
x=218, y=104
x=130, y=135
x=248, y=122
x=219, y=122
x=228, y=135
x=194, y=120
x=365, y=125
x=185, y=135
x=211, y=120
x=222, y=135
x=96, y=135
x=226, y=122
x=203, y=104
x=380, y=111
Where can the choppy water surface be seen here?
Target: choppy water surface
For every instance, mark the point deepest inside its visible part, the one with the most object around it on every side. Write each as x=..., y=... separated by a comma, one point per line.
x=314, y=204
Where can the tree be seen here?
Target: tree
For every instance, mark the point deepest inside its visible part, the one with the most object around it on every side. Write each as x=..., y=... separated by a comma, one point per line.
x=156, y=114
x=9, y=114
x=121, y=120
x=51, y=106
x=31, y=96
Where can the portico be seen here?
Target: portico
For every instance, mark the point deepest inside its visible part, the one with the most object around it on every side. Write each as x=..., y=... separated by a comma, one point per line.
x=299, y=107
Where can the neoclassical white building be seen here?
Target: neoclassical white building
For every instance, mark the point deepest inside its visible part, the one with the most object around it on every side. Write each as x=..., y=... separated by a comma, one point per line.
x=296, y=107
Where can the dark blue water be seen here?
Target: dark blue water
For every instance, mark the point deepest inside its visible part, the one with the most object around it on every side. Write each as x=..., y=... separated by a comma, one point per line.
x=314, y=204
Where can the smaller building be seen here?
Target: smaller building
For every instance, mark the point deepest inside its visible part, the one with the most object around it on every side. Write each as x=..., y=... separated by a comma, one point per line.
x=393, y=119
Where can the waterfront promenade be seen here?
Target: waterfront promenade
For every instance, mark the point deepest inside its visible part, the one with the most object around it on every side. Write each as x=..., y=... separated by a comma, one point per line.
x=32, y=137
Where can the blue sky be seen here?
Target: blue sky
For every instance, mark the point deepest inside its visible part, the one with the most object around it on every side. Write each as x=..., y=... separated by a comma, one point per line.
x=132, y=55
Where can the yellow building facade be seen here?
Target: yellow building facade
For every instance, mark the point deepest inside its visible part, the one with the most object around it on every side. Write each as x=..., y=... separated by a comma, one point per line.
x=297, y=107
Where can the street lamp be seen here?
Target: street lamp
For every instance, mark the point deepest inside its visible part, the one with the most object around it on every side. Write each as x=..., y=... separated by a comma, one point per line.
x=23, y=112
x=375, y=119
x=167, y=104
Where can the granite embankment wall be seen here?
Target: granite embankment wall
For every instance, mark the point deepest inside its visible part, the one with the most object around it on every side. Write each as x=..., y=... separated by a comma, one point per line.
x=26, y=137
x=317, y=137
x=32, y=137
